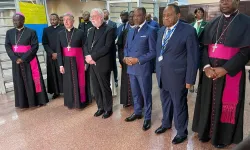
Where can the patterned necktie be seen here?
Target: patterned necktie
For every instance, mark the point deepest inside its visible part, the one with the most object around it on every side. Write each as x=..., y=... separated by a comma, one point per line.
x=166, y=38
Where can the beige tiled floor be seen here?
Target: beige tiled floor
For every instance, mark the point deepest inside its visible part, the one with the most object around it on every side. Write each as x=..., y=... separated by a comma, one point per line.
x=54, y=127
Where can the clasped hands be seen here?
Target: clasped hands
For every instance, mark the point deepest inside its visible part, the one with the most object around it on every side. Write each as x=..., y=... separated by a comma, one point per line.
x=19, y=61
x=215, y=73
x=130, y=60
x=89, y=60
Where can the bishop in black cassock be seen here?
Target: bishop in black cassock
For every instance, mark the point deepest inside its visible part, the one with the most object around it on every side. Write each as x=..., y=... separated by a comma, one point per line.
x=220, y=100
x=71, y=61
x=22, y=45
x=54, y=77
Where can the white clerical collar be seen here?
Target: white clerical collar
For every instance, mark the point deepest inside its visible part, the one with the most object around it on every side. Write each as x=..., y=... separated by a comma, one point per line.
x=56, y=26
x=173, y=25
x=230, y=14
x=70, y=29
x=20, y=28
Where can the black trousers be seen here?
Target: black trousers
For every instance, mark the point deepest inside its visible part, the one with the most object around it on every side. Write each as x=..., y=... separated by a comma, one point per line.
x=115, y=69
x=101, y=87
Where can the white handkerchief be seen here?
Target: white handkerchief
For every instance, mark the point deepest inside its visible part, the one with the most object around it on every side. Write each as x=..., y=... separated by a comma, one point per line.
x=143, y=36
x=202, y=27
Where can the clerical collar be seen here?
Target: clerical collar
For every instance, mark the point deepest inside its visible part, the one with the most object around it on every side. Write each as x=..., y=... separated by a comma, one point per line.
x=20, y=28
x=233, y=14
x=70, y=29
x=86, y=22
x=100, y=26
x=56, y=26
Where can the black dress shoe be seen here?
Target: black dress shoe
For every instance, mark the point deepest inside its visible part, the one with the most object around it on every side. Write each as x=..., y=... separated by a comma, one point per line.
x=220, y=146
x=107, y=114
x=204, y=140
x=55, y=96
x=126, y=105
x=99, y=113
x=179, y=139
x=161, y=130
x=133, y=117
x=146, y=125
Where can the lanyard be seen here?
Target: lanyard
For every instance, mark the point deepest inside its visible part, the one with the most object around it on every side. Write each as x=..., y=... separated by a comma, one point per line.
x=166, y=39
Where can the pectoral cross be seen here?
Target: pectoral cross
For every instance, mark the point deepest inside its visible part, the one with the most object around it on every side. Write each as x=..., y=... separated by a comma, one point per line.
x=68, y=48
x=214, y=47
x=15, y=47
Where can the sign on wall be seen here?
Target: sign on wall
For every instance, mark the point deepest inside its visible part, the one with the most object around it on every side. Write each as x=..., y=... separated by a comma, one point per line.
x=35, y=17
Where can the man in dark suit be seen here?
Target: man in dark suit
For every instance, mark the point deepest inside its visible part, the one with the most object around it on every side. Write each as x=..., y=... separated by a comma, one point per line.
x=124, y=25
x=138, y=52
x=84, y=26
x=114, y=26
x=177, y=58
x=98, y=54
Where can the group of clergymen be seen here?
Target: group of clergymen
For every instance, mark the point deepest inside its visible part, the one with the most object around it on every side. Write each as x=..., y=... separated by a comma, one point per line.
x=81, y=60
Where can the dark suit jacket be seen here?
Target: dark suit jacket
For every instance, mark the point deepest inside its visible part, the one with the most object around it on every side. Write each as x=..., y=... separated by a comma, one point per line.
x=180, y=61
x=101, y=49
x=84, y=27
x=143, y=48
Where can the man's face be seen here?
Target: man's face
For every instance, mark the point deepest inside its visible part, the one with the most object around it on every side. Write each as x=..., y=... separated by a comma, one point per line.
x=18, y=21
x=86, y=16
x=106, y=15
x=68, y=22
x=61, y=20
x=124, y=18
x=139, y=17
x=53, y=20
x=199, y=15
x=228, y=6
x=96, y=19
x=148, y=17
x=130, y=19
x=170, y=17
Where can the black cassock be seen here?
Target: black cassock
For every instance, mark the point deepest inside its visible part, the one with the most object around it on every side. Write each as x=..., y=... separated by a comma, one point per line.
x=54, y=77
x=28, y=81
x=125, y=92
x=73, y=61
x=215, y=116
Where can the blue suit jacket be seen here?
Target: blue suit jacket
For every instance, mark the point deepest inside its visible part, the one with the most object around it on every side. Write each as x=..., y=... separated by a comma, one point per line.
x=119, y=29
x=154, y=24
x=143, y=48
x=180, y=61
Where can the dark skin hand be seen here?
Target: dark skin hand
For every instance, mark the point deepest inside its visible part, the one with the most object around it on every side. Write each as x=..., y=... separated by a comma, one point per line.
x=19, y=61
x=220, y=72
x=54, y=56
x=130, y=61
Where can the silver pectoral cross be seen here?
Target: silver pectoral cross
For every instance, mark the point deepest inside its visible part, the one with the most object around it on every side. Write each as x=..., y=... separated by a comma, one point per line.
x=15, y=47
x=214, y=47
x=68, y=48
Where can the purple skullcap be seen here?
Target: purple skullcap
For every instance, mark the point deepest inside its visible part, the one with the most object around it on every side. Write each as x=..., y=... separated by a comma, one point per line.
x=19, y=13
x=68, y=14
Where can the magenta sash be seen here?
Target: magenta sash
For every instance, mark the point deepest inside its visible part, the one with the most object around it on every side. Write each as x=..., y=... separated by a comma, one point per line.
x=78, y=53
x=33, y=64
x=230, y=97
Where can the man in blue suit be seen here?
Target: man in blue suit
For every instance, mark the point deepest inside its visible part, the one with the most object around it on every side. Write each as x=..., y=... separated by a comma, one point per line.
x=138, y=52
x=177, y=61
x=152, y=22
